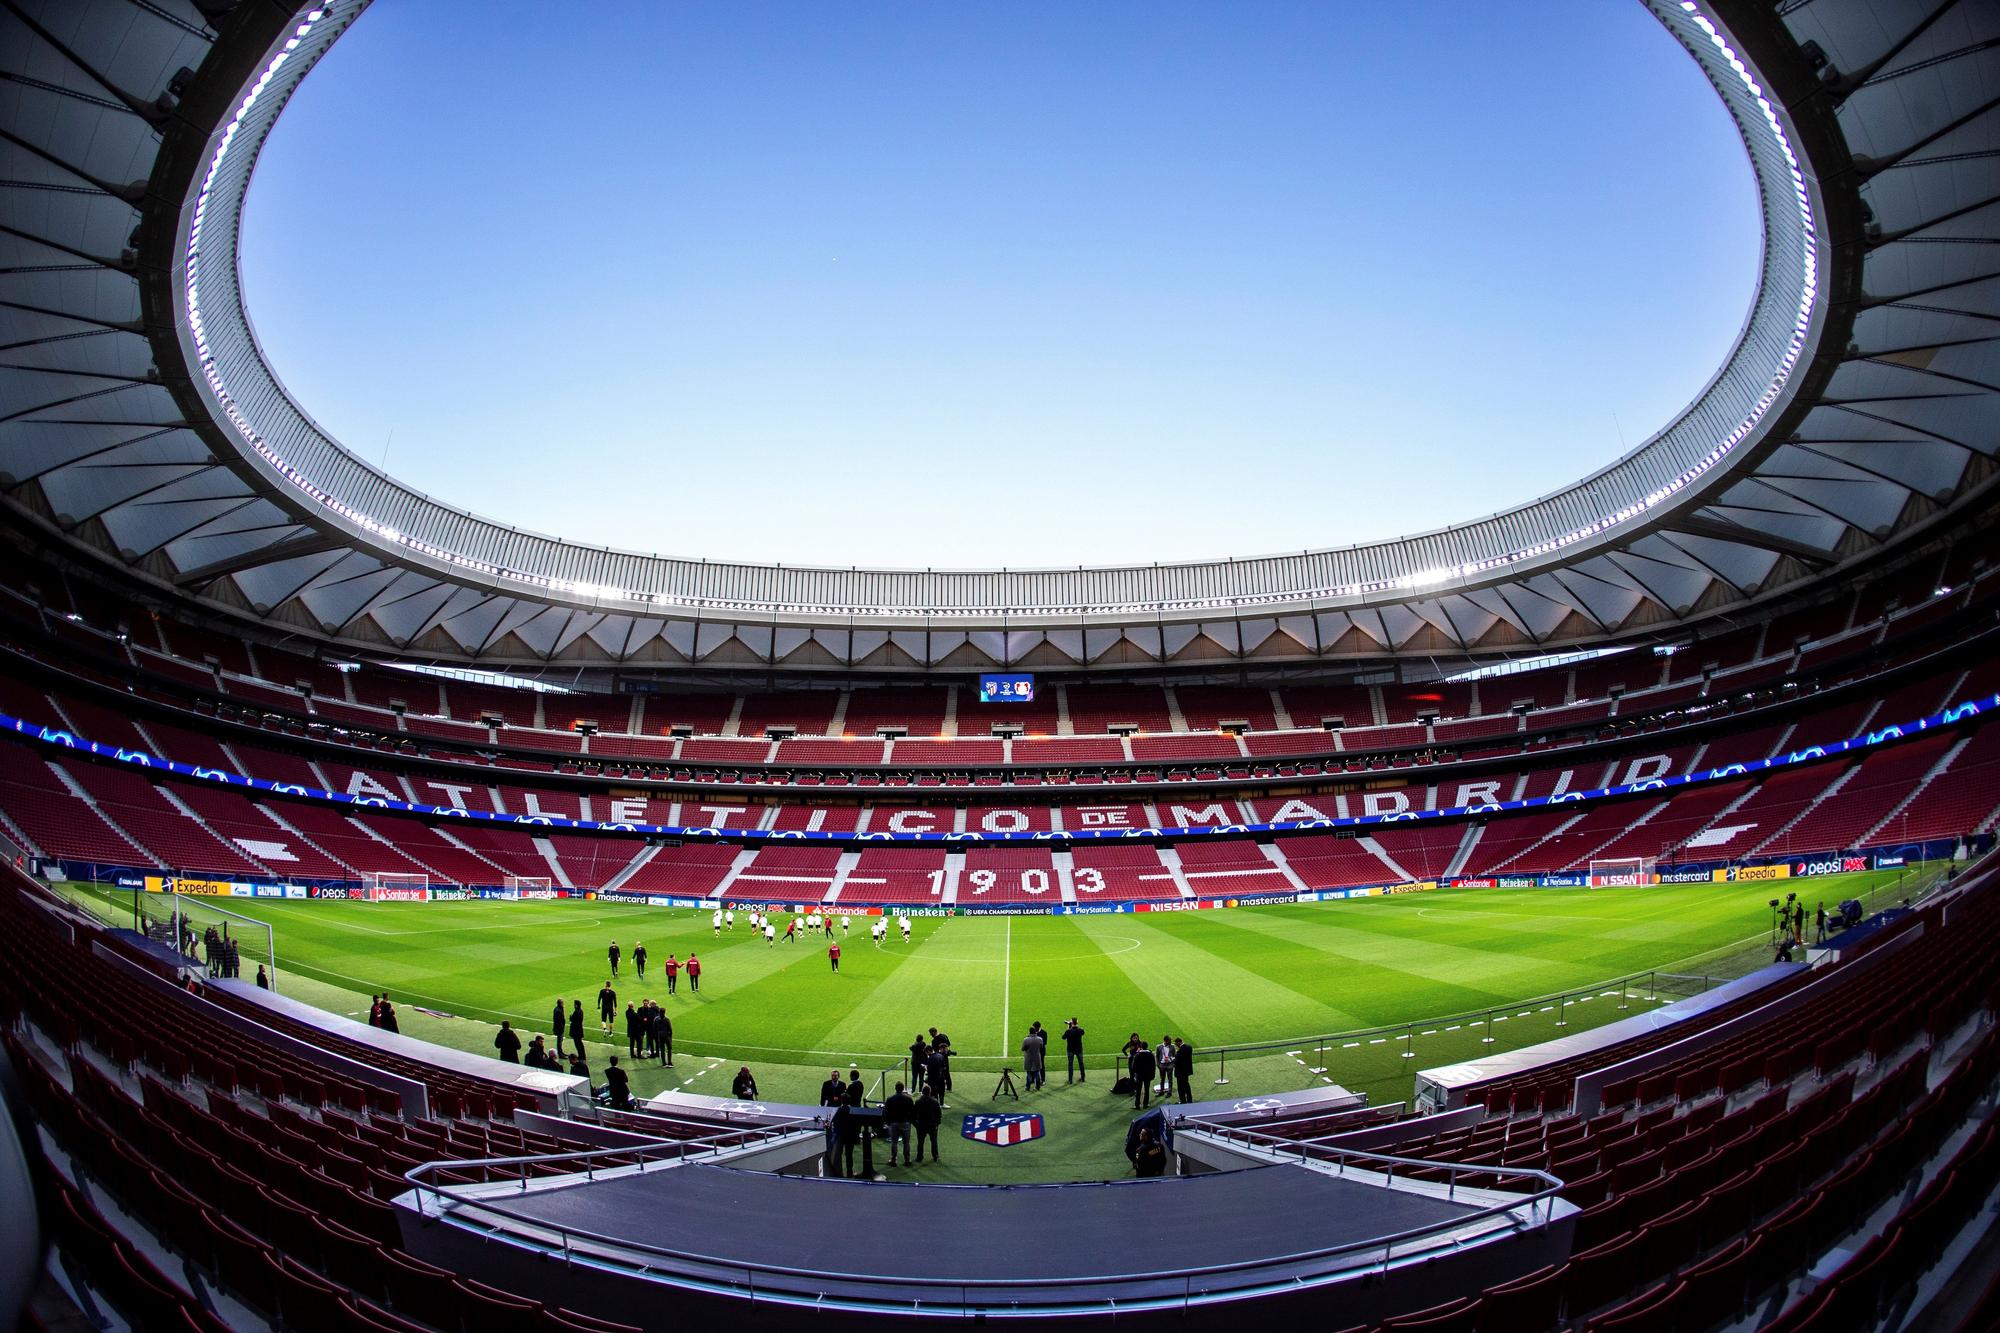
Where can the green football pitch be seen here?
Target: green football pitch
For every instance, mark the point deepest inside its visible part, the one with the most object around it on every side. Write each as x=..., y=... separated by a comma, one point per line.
x=1361, y=993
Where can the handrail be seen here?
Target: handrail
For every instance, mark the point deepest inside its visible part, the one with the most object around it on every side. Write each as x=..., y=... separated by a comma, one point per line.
x=663, y=1149
x=1311, y=1150
x=1536, y=1203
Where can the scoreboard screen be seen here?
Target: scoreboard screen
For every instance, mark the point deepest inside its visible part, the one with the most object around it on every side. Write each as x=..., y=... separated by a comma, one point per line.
x=1006, y=689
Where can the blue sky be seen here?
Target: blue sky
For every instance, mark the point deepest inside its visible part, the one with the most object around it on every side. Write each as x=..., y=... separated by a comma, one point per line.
x=1025, y=284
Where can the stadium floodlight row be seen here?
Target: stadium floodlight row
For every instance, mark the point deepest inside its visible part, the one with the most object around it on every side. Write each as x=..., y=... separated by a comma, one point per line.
x=1183, y=733
x=1766, y=482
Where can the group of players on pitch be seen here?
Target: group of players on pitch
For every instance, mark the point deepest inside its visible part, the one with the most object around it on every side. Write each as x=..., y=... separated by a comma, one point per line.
x=803, y=923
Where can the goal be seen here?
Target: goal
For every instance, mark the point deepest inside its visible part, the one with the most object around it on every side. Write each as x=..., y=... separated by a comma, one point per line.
x=227, y=943
x=530, y=886
x=1621, y=871
x=399, y=886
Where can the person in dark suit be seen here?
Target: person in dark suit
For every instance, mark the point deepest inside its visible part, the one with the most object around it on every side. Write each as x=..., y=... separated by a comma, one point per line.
x=927, y=1115
x=856, y=1095
x=839, y=1148
x=935, y=1065
x=558, y=1024
x=576, y=1025
x=1144, y=1067
x=634, y=1035
x=920, y=1051
x=508, y=1043
x=1184, y=1070
x=1073, y=1045
x=897, y=1112
x=619, y=1084
x=833, y=1092
x=538, y=1056
x=663, y=1035
x=388, y=1020
x=1151, y=1158
x=744, y=1087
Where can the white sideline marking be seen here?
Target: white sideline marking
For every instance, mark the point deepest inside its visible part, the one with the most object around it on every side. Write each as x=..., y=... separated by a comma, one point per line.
x=1376, y=1041
x=1006, y=983
x=1454, y=1027
x=1428, y=1032
x=1349, y=1045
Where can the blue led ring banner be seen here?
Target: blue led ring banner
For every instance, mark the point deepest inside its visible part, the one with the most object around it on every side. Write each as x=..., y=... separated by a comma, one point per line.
x=1956, y=713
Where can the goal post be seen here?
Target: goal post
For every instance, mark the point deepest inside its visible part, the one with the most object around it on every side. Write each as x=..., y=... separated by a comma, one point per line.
x=1621, y=871
x=226, y=943
x=383, y=886
x=530, y=886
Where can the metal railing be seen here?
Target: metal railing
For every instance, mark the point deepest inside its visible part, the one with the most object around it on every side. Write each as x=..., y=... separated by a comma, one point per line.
x=1533, y=1211
x=1316, y=1151
x=590, y=1162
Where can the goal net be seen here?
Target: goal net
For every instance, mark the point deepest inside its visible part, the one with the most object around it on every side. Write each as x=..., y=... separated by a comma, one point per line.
x=530, y=886
x=225, y=943
x=1621, y=871
x=400, y=886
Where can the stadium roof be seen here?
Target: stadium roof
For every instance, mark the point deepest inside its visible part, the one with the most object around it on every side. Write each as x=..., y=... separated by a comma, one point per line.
x=141, y=422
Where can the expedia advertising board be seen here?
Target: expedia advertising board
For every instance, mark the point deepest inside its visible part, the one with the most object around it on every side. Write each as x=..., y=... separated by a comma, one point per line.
x=206, y=888
x=1751, y=874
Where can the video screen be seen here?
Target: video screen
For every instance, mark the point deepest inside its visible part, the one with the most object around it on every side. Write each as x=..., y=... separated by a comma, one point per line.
x=1006, y=689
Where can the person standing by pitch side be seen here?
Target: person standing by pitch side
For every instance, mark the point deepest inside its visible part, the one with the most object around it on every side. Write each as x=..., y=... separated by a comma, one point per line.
x=1142, y=1076
x=1184, y=1069
x=694, y=974
x=576, y=1026
x=558, y=1024
x=927, y=1115
x=1073, y=1045
x=663, y=1035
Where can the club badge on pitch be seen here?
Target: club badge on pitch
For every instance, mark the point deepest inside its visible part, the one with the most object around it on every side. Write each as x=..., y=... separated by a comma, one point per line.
x=1003, y=1131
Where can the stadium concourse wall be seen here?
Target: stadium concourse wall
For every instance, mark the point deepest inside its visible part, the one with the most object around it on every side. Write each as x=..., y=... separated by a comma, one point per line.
x=1755, y=870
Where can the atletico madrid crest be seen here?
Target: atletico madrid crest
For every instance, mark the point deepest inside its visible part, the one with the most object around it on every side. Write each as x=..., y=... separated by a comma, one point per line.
x=1003, y=1131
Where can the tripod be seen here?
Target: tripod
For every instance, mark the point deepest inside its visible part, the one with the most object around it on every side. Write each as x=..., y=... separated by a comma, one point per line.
x=1006, y=1086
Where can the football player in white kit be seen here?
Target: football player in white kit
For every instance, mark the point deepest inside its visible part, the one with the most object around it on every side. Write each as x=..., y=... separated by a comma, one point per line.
x=729, y=918
x=717, y=922
x=770, y=933
x=905, y=920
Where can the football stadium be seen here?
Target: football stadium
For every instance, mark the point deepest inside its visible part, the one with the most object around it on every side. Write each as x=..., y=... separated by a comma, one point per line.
x=1580, y=917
